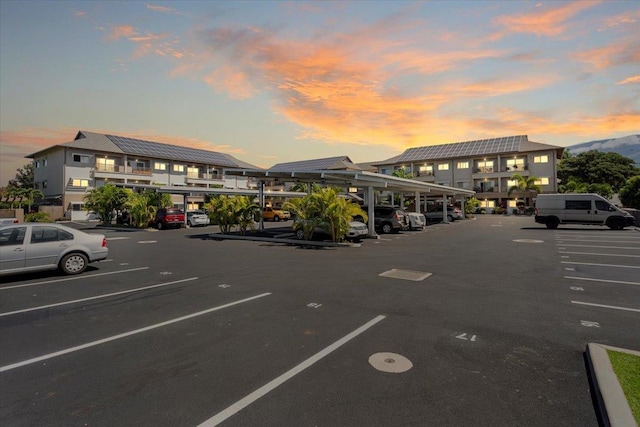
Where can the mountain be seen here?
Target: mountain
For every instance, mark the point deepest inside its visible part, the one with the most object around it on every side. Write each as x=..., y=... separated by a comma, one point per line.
x=627, y=146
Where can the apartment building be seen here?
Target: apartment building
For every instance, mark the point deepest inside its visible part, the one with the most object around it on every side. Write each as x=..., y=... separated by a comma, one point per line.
x=65, y=172
x=484, y=166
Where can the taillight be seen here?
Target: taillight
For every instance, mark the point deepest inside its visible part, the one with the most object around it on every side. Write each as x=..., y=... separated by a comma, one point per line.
x=104, y=242
x=15, y=220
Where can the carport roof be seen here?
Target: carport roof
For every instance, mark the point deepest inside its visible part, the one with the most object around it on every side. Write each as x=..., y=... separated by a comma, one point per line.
x=352, y=178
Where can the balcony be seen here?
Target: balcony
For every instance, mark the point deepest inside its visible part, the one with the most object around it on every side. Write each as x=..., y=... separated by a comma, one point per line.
x=204, y=178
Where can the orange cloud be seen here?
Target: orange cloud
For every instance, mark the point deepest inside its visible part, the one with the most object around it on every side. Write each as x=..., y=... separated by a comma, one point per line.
x=541, y=22
x=634, y=79
x=621, y=52
x=119, y=31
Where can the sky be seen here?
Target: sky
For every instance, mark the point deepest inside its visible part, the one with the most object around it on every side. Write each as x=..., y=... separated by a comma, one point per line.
x=271, y=82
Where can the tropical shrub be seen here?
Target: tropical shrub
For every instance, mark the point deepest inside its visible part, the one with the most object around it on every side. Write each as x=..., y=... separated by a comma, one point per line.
x=142, y=207
x=230, y=211
x=37, y=217
x=105, y=200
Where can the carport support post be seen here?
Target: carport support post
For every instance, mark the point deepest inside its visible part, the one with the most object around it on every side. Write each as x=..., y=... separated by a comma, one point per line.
x=370, y=201
x=417, y=203
x=184, y=204
x=261, y=203
x=444, y=209
x=462, y=208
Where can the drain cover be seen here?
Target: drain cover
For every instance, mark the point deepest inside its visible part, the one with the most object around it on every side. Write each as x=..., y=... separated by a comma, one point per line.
x=390, y=362
x=416, y=276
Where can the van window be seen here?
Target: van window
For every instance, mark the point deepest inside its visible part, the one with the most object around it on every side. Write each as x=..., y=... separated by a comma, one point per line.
x=601, y=205
x=578, y=205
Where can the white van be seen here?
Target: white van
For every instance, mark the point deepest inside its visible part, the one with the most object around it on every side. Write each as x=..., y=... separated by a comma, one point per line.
x=580, y=208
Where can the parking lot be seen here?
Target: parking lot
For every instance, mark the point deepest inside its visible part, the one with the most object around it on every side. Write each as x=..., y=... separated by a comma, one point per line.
x=480, y=322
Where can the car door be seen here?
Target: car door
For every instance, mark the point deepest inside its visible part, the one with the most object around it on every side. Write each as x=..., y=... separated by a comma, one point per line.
x=45, y=245
x=12, y=248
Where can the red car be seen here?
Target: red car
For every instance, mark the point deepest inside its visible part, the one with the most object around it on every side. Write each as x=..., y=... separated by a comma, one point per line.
x=168, y=218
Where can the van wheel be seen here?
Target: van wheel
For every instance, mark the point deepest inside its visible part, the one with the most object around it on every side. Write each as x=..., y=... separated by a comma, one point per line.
x=552, y=223
x=617, y=224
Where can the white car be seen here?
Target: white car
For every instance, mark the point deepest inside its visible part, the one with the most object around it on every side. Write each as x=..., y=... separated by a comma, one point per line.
x=417, y=221
x=34, y=246
x=6, y=221
x=357, y=230
x=197, y=218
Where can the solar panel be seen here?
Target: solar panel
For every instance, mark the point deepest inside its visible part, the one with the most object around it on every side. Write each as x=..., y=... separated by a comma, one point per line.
x=307, y=165
x=508, y=144
x=172, y=152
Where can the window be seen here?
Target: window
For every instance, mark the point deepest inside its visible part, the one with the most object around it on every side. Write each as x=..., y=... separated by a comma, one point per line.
x=12, y=236
x=542, y=181
x=44, y=183
x=443, y=167
x=178, y=168
x=511, y=183
x=463, y=165
x=79, y=158
x=579, y=205
x=49, y=234
x=601, y=205
x=462, y=184
x=541, y=159
x=44, y=162
x=384, y=171
x=193, y=172
x=80, y=182
x=106, y=165
x=426, y=170
x=515, y=164
x=485, y=166
x=36, y=164
x=160, y=166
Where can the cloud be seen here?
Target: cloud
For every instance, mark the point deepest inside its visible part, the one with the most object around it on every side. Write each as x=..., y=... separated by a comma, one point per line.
x=120, y=31
x=628, y=17
x=541, y=21
x=633, y=79
x=79, y=13
x=619, y=52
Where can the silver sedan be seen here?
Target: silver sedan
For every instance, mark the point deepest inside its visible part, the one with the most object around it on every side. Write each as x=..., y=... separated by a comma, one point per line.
x=27, y=247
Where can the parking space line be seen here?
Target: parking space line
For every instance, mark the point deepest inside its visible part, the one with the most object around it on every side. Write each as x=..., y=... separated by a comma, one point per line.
x=600, y=265
x=88, y=276
x=262, y=391
x=604, y=247
x=126, y=334
x=602, y=280
x=606, y=306
x=96, y=297
x=591, y=253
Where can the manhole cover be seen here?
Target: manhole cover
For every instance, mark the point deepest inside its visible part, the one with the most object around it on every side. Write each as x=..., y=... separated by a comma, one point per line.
x=528, y=241
x=390, y=362
x=416, y=276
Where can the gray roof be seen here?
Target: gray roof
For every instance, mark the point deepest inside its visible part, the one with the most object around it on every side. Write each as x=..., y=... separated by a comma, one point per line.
x=117, y=144
x=328, y=163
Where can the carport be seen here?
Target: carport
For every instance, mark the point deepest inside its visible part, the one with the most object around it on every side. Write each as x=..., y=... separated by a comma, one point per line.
x=360, y=179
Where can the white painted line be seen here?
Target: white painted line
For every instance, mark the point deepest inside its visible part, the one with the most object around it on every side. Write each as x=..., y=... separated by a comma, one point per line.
x=606, y=306
x=602, y=280
x=598, y=241
x=591, y=253
x=600, y=265
x=96, y=297
x=262, y=391
x=73, y=278
x=118, y=238
x=147, y=241
x=605, y=247
x=126, y=334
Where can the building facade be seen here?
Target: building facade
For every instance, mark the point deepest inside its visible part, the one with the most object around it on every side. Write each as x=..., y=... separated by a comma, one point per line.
x=484, y=166
x=65, y=172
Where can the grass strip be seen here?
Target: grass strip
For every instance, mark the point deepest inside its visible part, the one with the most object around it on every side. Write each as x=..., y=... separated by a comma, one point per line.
x=627, y=369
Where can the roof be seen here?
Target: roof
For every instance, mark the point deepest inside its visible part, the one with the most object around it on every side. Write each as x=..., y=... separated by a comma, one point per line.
x=139, y=147
x=479, y=147
x=328, y=163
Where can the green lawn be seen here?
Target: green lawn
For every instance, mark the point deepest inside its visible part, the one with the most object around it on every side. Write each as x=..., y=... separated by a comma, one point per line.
x=627, y=368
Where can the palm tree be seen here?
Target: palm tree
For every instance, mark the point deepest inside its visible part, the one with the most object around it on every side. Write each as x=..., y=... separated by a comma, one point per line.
x=31, y=194
x=402, y=173
x=142, y=208
x=524, y=185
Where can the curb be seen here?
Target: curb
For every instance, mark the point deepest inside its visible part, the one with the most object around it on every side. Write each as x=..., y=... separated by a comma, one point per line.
x=296, y=242
x=611, y=403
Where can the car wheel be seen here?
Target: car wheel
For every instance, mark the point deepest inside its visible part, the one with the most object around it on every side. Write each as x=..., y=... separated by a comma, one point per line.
x=189, y=223
x=386, y=228
x=276, y=218
x=552, y=223
x=300, y=234
x=74, y=263
x=450, y=218
x=159, y=225
x=617, y=224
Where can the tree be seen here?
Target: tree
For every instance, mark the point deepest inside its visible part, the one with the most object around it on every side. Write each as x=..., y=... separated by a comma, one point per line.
x=630, y=193
x=524, y=185
x=24, y=177
x=228, y=212
x=31, y=194
x=597, y=167
x=105, y=199
x=402, y=173
x=573, y=186
x=604, y=190
x=303, y=187
x=142, y=207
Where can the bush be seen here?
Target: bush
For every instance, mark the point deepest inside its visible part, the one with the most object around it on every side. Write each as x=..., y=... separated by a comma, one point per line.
x=37, y=217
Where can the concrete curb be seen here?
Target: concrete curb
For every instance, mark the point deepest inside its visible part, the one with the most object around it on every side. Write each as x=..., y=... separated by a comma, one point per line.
x=610, y=399
x=296, y=242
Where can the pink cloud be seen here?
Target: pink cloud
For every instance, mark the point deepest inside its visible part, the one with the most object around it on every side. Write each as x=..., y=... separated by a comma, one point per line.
x=628, y=80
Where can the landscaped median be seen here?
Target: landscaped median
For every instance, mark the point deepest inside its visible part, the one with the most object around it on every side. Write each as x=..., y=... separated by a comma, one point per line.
x=615, y=376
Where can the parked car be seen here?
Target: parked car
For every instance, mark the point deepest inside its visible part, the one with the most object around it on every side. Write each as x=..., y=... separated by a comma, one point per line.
x=5, y=221
x=27, y=247
x=580, y=208
x=197, y=218
x=357, y=230
x=388, y=219
x=274, y=214
x=417, y=221
x=168, y=218
x=435, y=214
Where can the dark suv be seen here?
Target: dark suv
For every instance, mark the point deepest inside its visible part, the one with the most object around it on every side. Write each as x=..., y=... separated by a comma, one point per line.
x=388, y=219
x=168, y=218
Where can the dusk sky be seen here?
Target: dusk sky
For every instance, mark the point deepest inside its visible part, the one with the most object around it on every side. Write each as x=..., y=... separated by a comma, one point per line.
x=271, y=82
